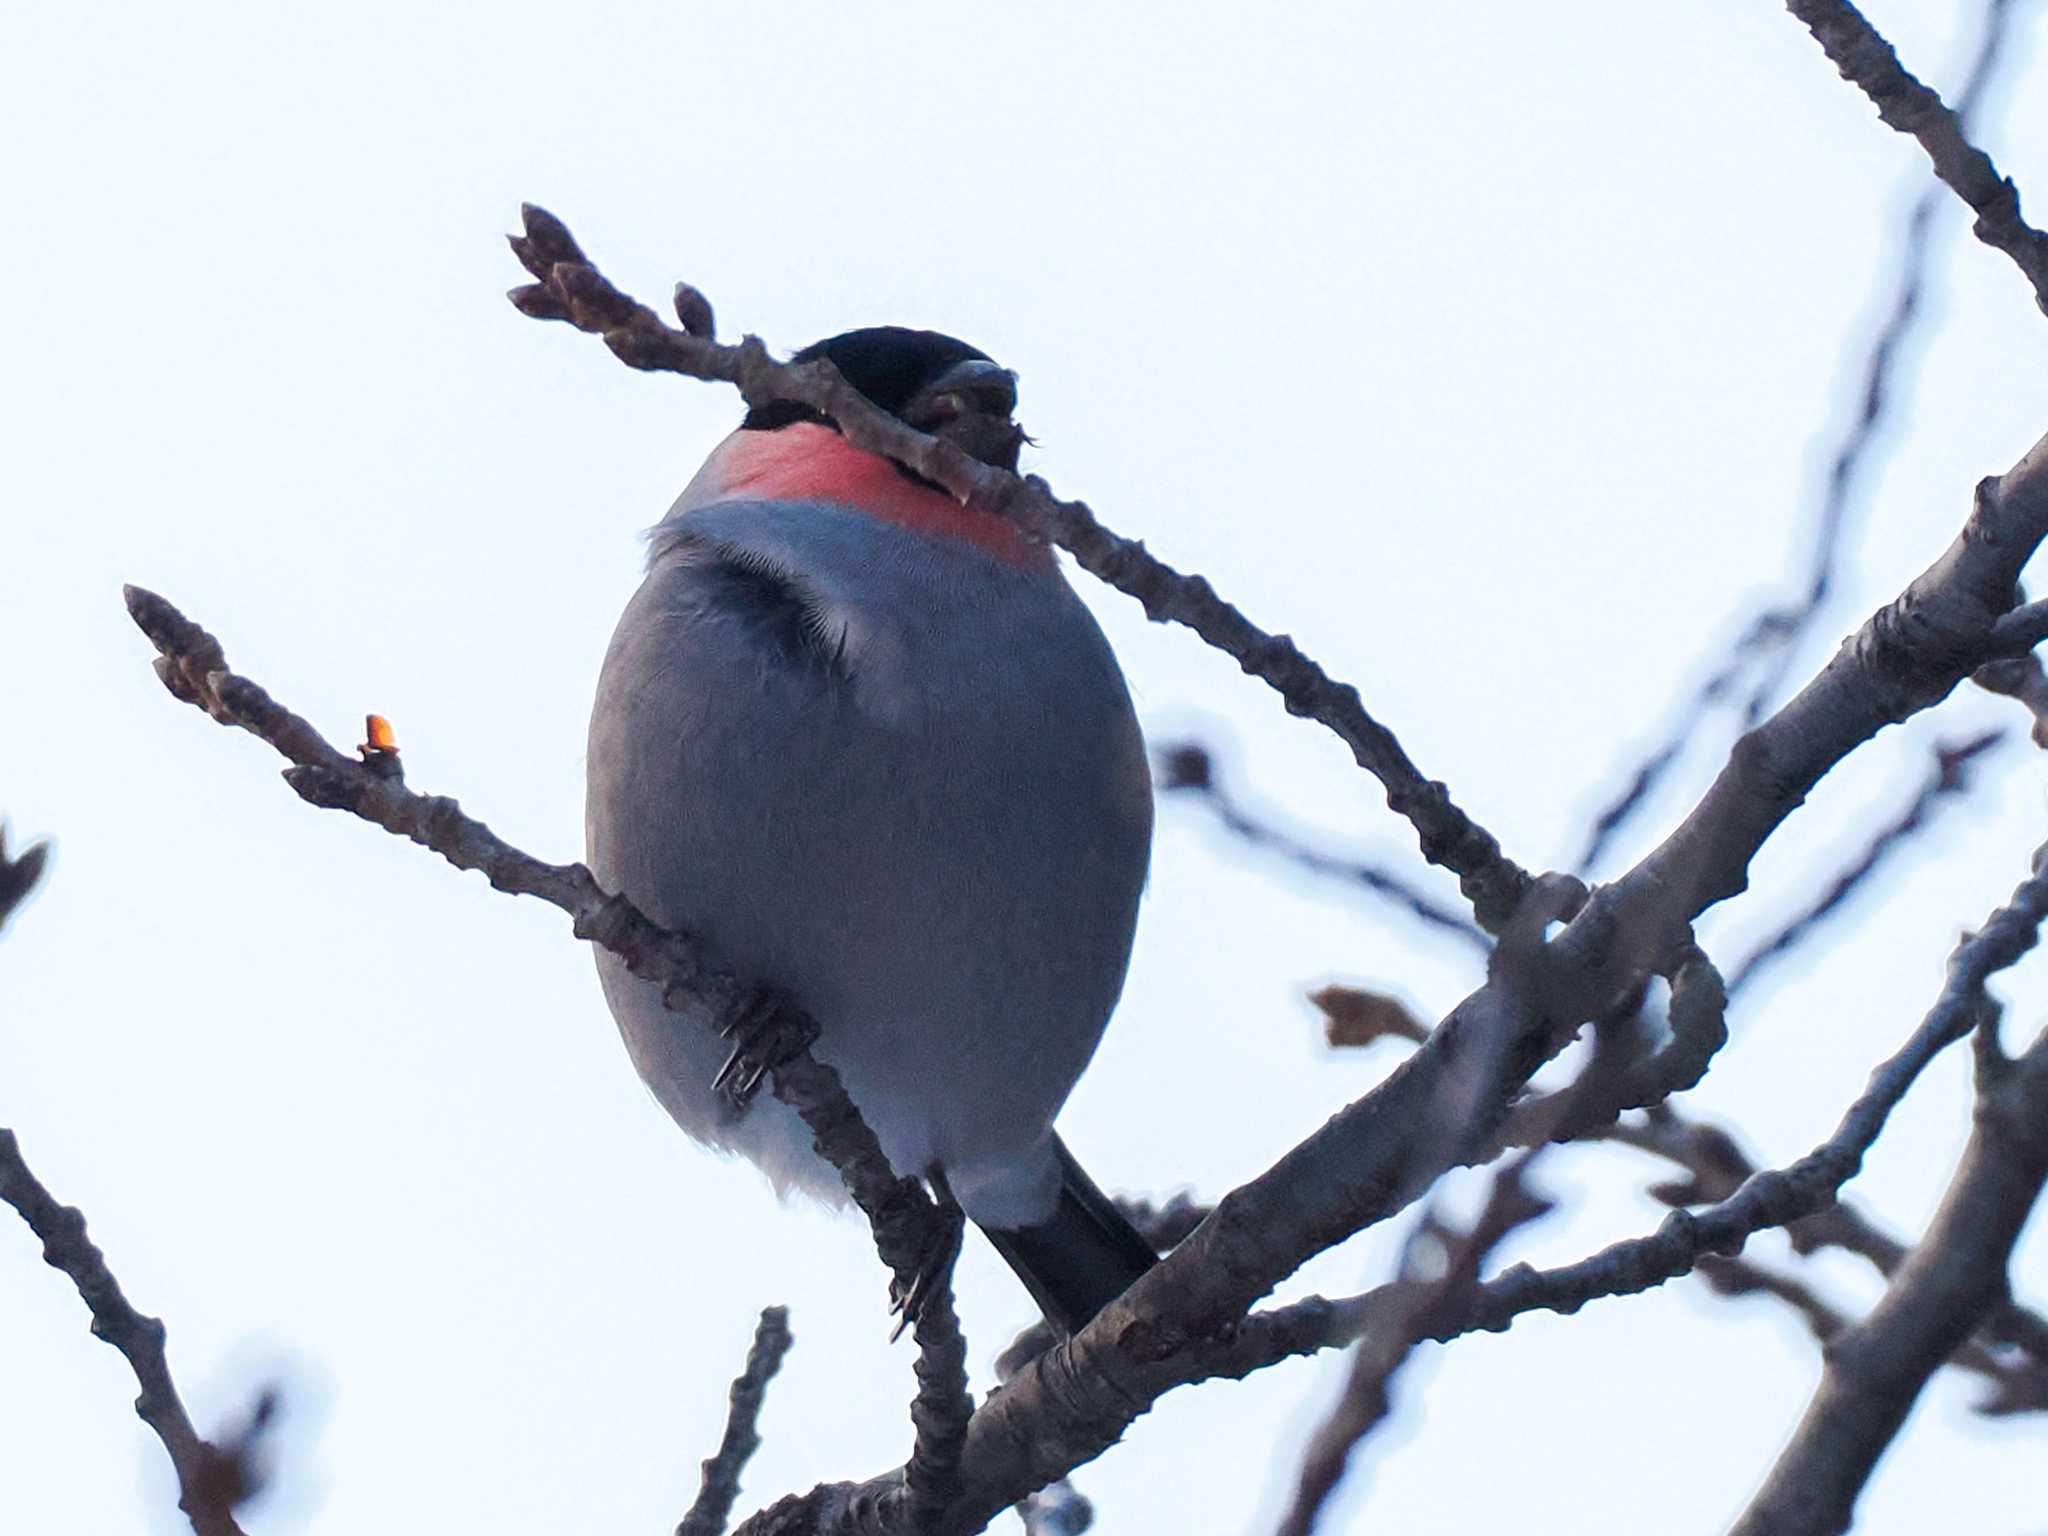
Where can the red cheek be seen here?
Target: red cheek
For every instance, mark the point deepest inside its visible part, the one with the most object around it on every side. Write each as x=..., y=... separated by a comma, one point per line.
x=805, y=461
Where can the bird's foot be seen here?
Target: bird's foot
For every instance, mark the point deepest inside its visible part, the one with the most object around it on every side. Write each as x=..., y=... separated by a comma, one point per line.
x=934, y=1272
x=765, y=1033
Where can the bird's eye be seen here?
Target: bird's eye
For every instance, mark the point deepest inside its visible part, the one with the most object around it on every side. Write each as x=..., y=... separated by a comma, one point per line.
x=995, y=393
x=974, y=388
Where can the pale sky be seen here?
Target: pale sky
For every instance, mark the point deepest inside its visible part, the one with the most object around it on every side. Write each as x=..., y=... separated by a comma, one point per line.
x=1493, y=352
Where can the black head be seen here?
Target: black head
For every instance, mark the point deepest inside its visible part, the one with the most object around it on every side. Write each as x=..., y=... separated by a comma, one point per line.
x=925, y=379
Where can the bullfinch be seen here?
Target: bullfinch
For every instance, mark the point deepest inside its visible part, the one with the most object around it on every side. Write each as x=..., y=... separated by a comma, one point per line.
x=869, y=743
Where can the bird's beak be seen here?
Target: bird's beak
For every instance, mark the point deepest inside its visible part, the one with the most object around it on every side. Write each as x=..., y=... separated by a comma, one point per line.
x=969, y=405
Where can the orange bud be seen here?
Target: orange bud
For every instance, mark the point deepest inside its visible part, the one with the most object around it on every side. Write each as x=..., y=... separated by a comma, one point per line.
x=379, y=732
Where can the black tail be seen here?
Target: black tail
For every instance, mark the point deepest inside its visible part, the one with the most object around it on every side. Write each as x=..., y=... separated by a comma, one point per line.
x=1080, y=1258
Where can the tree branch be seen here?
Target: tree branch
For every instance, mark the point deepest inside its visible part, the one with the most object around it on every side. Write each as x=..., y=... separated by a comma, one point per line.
x=908, y=1228
x=1696, y=1024
x=694, y=981
x=1716, y=1168
x=1174, y=1325
x=1074, y=1401
x=712, y=1507
x=212, y=1480
x=1870, y=63
x=1186, y=768
x=1950, y=776
x=571, y=289
x=2020, y=631
x=19, y=874
x=1781, y=1196
x=2021, y=1384
x=1360, y=1167
x=1770, y=641
x=941, y=1412
x=1423, y=1307
x=1876, y=1367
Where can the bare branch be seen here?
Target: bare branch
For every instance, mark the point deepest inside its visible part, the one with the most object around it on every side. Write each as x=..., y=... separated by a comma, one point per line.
x=1696, y=1026
x=2021, y=630
x=1358, y=1168
x=19, y=874
x=1741, y=1277
x=1361, y=1166
x=2022, y=678
x=940, y=1412
x=571, y=289
x=212, y=1480
x=1769, y=642
x=1878, y=378
x=908, y=1228
x=1775, y=1198
x=712, y=1508
x=1781, y=1196
x=1950, y=776
x=1070, y=1403
x=1650, y=771
x=1426, y=1304
x=1317, y=1323
x=1867, y=61
x=1716, y=1167
x=1875, y=1368
x=1186, y=768
x=2021, y=1384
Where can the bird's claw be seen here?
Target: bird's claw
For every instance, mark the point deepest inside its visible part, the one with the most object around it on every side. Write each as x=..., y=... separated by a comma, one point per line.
x=764, y=1036
x=934, y=1270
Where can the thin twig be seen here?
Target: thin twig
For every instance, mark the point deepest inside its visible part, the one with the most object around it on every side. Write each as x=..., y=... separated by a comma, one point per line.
x=1609, y=821
x=2020, y=631
x=1696, y=1028
x=1426, y=1304
x=1950, y=775
x=694, y=983
x=1792, y=624
x=19, y=874
x=1867, y=61
x=1716, y=1167
x=571, y=289
x=1781, y=1196
x=1735, y=1277
x=1073, y=1401
x=1176, y=1325
x=2022, y=678
x=1770, y=640
x=1874, y=1369
x=1187, y=769
x=212, y=1480
x=1168, y=1330
x=712, y=1508
x=2021, y=1384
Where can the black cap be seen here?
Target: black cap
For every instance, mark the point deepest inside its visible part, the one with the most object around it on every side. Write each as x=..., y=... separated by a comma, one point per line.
x=887, y=363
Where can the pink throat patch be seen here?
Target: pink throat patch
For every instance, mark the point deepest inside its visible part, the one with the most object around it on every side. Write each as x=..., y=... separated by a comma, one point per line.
x=808, y=462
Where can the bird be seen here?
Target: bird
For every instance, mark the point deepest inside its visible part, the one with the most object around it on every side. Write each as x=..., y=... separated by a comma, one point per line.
x=868, y=743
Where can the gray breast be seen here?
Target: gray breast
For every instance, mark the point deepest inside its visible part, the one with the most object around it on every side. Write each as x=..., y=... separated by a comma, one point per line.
x=899, y=778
